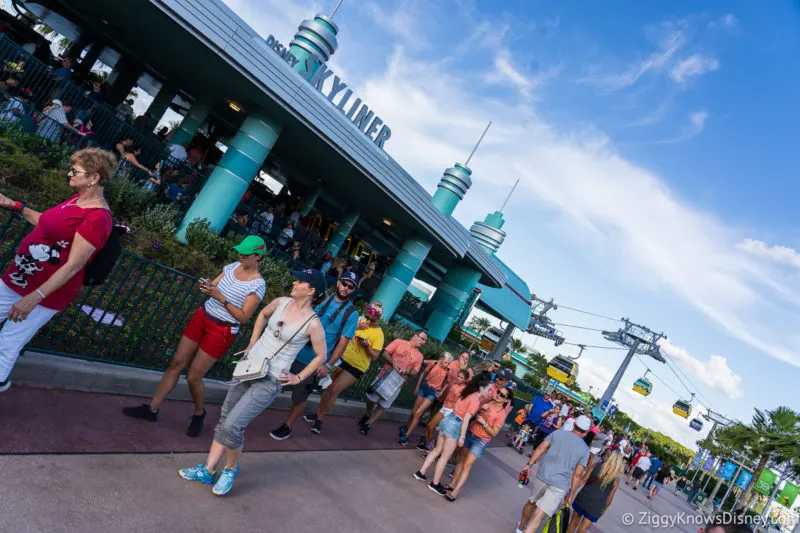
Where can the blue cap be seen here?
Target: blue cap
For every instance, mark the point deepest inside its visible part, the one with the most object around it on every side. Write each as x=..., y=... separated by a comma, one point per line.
x=504, y=373
x=348, y=275
x=313, y=277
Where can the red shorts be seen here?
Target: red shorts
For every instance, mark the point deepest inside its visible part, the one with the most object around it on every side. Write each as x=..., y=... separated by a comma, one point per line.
x=214, y=339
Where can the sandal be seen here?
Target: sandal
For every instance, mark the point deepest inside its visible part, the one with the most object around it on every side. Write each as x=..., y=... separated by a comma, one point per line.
x=449, y=497
x=448, y=488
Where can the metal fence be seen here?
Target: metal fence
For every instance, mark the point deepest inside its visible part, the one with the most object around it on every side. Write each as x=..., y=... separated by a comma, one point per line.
x=137, y=316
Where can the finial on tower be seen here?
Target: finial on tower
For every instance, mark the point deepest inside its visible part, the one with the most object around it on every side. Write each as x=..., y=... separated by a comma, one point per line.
x=478, y=143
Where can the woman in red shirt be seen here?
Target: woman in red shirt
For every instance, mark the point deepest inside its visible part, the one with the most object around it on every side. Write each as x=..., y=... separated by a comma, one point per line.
x=429, y=390
x=484, y=426
x=47, y=271
x=453, y=431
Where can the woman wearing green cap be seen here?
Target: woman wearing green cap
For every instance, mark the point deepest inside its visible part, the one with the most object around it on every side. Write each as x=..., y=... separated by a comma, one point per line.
x=234, y=296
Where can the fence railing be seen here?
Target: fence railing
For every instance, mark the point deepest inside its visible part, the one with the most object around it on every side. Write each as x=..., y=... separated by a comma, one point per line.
x=137, y=317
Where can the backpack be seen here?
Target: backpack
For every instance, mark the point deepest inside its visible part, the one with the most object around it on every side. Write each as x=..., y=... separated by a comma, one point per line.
x=100, y=266
x=349, y=310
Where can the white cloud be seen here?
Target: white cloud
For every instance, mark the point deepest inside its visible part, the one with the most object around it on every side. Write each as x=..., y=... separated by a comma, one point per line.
x=778, y=254
x=727, y=22
x=505, y=73
x=715, y=372
x=692, y=67
x=698, y=121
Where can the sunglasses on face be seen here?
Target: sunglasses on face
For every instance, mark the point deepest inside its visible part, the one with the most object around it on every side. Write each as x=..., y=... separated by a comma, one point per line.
x=348, y=285
x=502, y=394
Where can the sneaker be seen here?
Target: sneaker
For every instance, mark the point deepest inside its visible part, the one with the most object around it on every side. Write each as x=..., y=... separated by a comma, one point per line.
x=450, y=474
x=419, y=476
x=519, y=528
x=365, y=429
x=362, y=420
x=438, y=489
x=403, y=431
x=423, y=440
x=310, y=418
x=225, y=482
x=422, y=448
x=197, y=473
x=404, y=441
x=196, y=425
x=282, y=433
x=5, y=385
x=316, y=427
x=141, y=411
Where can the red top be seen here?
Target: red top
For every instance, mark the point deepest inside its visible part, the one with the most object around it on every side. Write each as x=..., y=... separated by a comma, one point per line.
x=47, y=247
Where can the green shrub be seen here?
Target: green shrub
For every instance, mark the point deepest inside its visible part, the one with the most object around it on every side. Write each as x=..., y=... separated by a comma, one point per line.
x=200, y=237
x=126, y=198
x=160, y=218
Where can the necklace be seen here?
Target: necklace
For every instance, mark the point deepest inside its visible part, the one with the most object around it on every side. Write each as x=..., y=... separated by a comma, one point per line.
x=77, y=203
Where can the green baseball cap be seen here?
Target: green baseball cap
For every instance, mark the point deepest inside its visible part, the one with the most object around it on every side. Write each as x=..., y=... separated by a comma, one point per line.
x=252, y=244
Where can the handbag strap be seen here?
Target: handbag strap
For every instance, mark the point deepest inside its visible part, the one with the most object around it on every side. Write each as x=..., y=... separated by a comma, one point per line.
x=309, y=319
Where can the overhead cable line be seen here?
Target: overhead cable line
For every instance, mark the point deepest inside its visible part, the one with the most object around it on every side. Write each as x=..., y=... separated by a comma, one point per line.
x=561, y=306
x=577, y=327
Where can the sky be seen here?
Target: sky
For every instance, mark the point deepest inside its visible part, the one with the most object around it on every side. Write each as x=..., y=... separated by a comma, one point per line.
x=652, y=143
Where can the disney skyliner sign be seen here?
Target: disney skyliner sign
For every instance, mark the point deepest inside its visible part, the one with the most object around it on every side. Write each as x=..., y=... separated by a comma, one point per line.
x=358, y=113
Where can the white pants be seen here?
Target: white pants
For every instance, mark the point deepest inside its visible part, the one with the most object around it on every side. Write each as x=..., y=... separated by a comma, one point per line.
x=15, y=335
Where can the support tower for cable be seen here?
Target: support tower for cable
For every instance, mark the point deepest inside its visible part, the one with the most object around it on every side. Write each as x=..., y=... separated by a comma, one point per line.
x=638, y=339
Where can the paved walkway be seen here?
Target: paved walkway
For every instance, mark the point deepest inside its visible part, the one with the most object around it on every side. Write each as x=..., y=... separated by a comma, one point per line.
x=75, y=464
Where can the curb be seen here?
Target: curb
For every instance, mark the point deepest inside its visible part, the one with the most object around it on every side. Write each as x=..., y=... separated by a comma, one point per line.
x=55, y=371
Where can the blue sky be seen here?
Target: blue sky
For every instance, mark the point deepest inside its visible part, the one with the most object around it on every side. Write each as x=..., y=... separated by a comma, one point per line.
x=653, y=145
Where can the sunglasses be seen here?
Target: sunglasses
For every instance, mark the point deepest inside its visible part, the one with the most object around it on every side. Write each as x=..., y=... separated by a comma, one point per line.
x=280, y=325
x=503, y=395
x=348, y=285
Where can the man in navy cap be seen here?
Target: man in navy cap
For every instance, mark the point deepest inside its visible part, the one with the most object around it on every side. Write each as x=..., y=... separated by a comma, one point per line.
x=339, y=319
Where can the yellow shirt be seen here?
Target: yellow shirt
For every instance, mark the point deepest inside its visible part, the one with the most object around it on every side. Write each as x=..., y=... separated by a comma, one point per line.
x=355, y=355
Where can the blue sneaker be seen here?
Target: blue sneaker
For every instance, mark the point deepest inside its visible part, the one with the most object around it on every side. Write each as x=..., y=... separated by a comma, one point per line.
x=403, y=431
x=403, y=441
x=197, y=473
x=225, y=482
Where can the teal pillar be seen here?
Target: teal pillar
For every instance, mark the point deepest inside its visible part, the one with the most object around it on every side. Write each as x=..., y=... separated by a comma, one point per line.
x=236, y=170
x=161, y=102
x=343, y=229
x=191, y=123
x=467, y=309
x=400, y=274
x=308, y=202
x=313, y=44
x=122, y=80
x=91, y=57
x=450, y=297
x=452, y=187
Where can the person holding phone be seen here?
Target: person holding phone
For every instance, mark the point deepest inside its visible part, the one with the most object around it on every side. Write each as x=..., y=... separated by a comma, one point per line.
x=233, y=297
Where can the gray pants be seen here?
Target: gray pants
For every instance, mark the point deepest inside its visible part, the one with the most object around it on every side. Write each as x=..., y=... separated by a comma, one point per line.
x=245, y=401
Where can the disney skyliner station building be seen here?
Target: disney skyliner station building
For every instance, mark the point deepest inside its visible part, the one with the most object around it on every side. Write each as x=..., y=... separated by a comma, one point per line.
x=292, y=116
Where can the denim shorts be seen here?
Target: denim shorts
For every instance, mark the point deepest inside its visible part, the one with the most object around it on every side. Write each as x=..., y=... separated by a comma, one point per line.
x=474, y=445
x=450, y=426
x=427, y=392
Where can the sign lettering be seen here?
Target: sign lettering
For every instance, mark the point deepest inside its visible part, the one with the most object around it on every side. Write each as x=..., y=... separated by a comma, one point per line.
x=330, y=85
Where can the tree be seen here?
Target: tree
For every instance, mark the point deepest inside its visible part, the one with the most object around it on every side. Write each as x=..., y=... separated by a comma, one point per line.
x=478, y=325
x=771, y=434
x=508, y=363
x=538, y=369
x=517, y=347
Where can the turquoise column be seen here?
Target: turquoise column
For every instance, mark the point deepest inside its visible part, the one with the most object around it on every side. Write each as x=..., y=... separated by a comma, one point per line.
x=450, y=297
x=308, y=202
x=452, y=187
x=400, y=274
x=313, y=44
x=458, y=285
x=229, y=181
x=191, y=123
x=343, y=229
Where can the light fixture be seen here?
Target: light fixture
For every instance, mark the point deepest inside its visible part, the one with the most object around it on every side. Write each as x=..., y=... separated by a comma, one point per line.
x=104, y=21
x=387, y=221
x=233, y=105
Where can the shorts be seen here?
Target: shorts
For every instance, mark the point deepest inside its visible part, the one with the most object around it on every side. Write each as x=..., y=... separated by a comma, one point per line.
x=350, y=369
x=446, y=411
x=657, y=485
x=638, y=473
x=450, y=427
x=303, y=390
x=584, y=514
x=546, y=497
x=474, y=445
x=427, y=392
x=214, y=339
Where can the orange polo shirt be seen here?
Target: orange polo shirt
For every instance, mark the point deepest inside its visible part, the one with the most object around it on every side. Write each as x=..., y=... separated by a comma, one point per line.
x=436, y=376
x=494, y=415
x=471, y=404
x=453, y=395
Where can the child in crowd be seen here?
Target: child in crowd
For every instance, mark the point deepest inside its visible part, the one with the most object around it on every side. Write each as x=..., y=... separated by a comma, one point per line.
x=524, y=433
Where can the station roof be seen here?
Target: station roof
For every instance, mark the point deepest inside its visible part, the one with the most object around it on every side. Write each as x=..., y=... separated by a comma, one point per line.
x=209, y=52
x=512, y=301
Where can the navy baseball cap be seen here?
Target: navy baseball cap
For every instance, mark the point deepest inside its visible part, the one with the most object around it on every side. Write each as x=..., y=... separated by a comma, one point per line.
x=504, y=373
x=349, y=275
x=314, y=277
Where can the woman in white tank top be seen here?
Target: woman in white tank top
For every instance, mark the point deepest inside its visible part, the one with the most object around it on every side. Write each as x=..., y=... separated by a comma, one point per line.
x=282, y=328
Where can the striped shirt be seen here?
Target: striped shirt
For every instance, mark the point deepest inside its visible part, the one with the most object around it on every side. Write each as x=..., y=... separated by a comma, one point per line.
x=235, y=291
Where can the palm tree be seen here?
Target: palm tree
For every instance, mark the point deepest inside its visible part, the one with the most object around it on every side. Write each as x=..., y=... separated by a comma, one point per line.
x=772, y=434
x=517, y=347
x=478, y=325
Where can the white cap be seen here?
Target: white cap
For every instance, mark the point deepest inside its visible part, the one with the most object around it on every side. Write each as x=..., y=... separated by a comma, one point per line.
x=57, y=101
x=583, y=422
